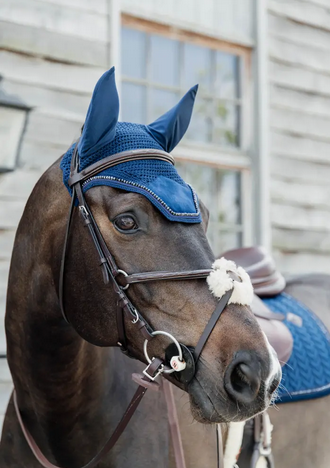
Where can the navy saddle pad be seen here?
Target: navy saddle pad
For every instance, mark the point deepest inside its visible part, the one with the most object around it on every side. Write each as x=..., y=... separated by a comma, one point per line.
x=307, y=373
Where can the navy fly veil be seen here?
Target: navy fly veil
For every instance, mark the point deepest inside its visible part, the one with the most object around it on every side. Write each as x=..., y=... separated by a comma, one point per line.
x=157, y=180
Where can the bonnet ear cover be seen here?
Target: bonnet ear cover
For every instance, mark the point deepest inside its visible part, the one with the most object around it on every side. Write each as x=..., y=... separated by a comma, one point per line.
x=157, y=180
x=102, y=116
x=171, y=127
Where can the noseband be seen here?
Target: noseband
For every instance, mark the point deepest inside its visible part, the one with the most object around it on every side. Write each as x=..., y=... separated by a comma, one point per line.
x=179, y=359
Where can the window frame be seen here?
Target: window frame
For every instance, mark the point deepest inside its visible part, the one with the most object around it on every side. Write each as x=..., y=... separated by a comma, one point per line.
x=225, y=158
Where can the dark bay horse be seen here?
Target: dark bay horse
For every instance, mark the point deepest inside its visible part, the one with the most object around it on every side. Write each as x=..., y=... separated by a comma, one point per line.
x=72, y=385
x=301, y=431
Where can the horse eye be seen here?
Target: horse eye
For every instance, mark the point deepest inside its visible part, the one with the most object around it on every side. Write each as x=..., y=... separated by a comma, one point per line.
x=125, y=223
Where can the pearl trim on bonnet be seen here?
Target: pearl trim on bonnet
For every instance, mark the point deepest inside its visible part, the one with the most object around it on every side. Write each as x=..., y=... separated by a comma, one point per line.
x=220, y=282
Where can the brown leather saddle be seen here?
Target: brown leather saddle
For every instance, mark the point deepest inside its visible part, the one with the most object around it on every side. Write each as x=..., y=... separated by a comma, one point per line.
x=267, y=282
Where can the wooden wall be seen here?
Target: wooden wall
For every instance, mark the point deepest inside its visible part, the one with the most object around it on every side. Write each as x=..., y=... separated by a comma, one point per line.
x=51, y=54
x=231, y=20
x=299, y=74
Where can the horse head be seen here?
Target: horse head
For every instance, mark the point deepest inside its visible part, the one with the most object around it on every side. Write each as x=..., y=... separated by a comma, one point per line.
x=151, y=221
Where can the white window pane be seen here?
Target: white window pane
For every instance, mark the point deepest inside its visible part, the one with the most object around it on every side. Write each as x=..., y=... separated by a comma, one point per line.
x=227, y=75
x=227, y=193
x=164, y=60
x=133, y=103
x=133, y=53
x=200, y=128
x=219, y=190
x=197, y=67
x=226, y=124
x=202, y=178
x=161, y=101
x=221, y=241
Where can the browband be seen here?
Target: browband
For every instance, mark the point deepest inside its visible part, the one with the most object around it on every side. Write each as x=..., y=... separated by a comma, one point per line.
x=118, y=158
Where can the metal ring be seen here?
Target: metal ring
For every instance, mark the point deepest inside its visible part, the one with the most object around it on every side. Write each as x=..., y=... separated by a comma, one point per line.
x=175, y=341
x=124, y=274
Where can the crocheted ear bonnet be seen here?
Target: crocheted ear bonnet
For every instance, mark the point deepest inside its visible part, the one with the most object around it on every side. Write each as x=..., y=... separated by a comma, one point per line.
x=157, y=180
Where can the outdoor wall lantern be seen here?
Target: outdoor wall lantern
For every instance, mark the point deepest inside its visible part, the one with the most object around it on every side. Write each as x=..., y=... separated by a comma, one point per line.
x=13, y=120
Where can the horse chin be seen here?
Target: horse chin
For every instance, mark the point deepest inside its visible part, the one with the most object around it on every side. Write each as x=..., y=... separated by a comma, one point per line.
x=220, y=409
x=202, y=406
x=203, y=410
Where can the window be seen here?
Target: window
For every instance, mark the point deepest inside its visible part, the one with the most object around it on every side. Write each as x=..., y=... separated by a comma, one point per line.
x=220, y=192
x=156, y=70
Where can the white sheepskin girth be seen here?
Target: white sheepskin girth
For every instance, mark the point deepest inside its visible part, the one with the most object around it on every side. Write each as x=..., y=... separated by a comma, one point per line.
x=220, y=282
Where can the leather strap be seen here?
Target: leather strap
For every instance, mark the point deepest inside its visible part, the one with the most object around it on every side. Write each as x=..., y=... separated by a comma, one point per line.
x=165, y=275
x=122, y=339
x=62, y=268
x=173, y=421
x=262, y=446
x=118, y=158
x=139, y=394
x=212, y=323
x=220, y=459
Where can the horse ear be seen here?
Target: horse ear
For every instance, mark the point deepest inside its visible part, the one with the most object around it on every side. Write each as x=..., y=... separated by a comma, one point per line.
x=102, y=115
x=170, y=127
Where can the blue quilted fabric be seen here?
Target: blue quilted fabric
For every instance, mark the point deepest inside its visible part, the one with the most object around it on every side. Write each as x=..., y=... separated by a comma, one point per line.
x=307, y=373
x=157, y=180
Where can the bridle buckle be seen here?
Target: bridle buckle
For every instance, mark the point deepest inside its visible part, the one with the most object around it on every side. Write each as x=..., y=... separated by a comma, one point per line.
x=83, y=211
x=159, y=371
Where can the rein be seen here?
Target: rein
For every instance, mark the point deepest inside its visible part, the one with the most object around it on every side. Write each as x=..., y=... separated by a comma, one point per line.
x=180, y=359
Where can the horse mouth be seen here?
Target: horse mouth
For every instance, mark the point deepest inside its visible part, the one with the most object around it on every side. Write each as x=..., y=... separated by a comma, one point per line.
x=220, y=408
x=201, y=405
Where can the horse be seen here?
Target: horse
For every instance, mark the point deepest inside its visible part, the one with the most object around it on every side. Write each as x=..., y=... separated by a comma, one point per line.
x=68, y=308
x=301, y=429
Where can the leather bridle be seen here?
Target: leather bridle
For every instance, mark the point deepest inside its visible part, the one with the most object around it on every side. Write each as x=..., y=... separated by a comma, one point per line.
x=176, y=364
x=111, y=272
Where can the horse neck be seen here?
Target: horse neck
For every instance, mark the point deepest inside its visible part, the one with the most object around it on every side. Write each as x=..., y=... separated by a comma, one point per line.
x=51, y=364
x=58, y=376
x=62, y=382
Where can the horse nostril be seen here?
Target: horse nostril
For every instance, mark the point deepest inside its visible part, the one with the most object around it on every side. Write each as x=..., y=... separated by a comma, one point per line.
x=241, y=377
x=242, y=381
x=275, y=383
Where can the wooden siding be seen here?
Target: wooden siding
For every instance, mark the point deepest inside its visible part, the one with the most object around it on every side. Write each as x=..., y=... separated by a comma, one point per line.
x=51, y=54
x=230, y=20
x=299, y=75
x=66, y=33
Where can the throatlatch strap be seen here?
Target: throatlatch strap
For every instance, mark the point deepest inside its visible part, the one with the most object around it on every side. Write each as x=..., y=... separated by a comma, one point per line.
x=65, y=248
